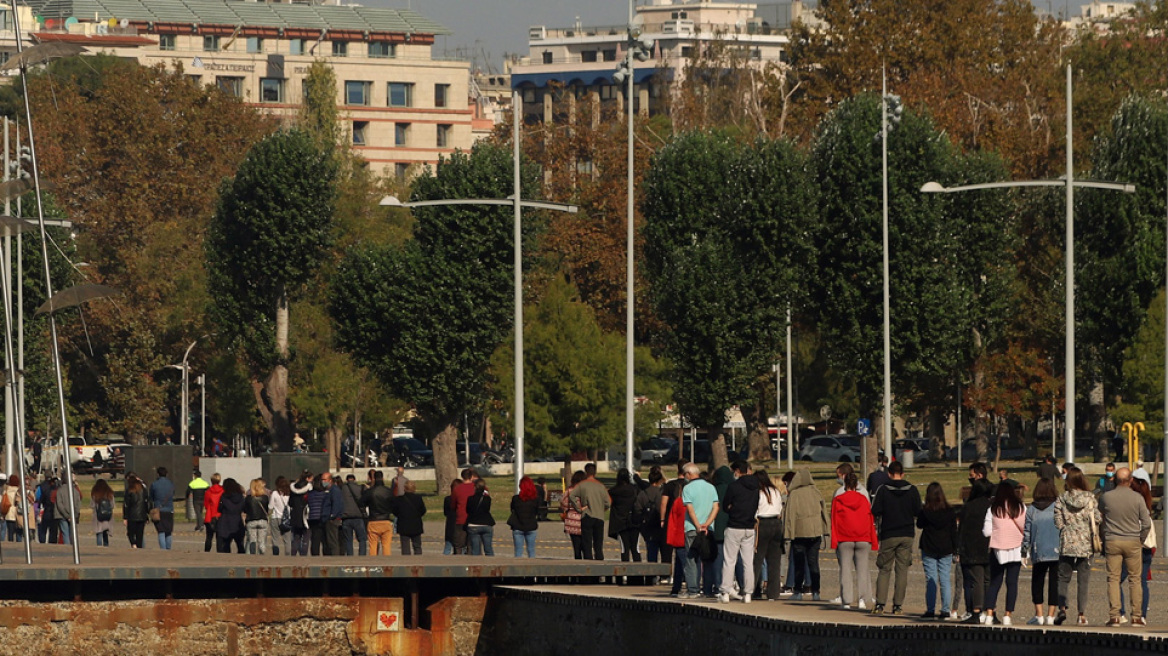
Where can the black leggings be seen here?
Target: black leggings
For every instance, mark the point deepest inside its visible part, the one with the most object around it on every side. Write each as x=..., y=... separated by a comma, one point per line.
x=1047, y=570
x=805, y=552
x=577, y=546
x=998, y=571
x=134, y=531
x=628, y=540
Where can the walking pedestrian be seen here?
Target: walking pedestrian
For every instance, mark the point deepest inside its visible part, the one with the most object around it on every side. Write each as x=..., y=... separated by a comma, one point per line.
x=197, y=493
x=162, y=499
x=524, y=520
x=805, y=523
x=896, y=507
x=1040, y=544
x=230, y=527
x=134, y=510
x=741, y=508
x=211, y=511
x=1005, y=526
x=938, y=523
x=101, y=498
x=1126, y=525
x=1077, y=516
x=769, y=543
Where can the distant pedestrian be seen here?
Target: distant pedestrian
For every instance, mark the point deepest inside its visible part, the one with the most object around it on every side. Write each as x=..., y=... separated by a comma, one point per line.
x=299, y=510
x=451, y=516
x=162, y=499
x=572, y=517
x=280, y=518
x=399, y=482
x=741, y=507
x=1077, y=516
x=1106, y=482
x=378, y=502
x=1126, y=525
x=135, y=511
x=938, y=523
x=524, y=519
x=622, y=523
x=592, y=500
x=1041, y=545
x=896, y=507
x=197, y=492
x=211, y=510
x=879, y=477
x=1005, y=526
x=769, y=543
x=101, y=499
x=256, y=515
x=480, y=524
x=353, y=518
x=409, y=509
x=853, y=537
x=1048, y=469
x=649, y=507
x=230, y=528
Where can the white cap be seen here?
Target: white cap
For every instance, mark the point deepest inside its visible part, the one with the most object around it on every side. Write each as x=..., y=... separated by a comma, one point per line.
x=1143, y=476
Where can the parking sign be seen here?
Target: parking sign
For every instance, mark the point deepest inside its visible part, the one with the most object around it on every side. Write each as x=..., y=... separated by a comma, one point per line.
x=864, y=427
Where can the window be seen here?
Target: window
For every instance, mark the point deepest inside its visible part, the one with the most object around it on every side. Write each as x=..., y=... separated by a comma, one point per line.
x=210, y=43
x=401, y=133
x=687, y=52
x=296, y=47
x=529, y=95
x=340, y=49
x=271, y=90
x=360, y=129
x=166, y=42
x=401, y=94
x=610, y=55
x=357, y=93
x=255, y=44
x=381, y=49
x=232, y=86
x=441, y=95
x=588, y=56
x=196, y=79
x=444, y=131
x=547, y=57
x=400, y=170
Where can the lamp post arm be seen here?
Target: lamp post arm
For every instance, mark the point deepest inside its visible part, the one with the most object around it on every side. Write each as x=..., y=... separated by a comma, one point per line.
x=535, y=204
x=937, y=188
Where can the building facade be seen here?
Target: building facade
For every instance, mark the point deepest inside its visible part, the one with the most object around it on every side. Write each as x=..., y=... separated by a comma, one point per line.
x=402, y=107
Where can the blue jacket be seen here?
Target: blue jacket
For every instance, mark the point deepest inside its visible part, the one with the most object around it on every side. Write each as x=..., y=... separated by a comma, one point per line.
x=316, y=502
x=334, y=504
x=162, y=495
x=1041, y=537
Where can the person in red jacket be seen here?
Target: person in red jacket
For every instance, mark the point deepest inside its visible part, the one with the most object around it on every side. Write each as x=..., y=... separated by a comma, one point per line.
x=211, y=509
x=853, y=536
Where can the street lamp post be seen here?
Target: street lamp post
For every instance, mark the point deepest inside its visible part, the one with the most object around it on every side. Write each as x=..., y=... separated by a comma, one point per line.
x=202, y=381
x=1070, y=183
x=186, y=392
x=391, y=201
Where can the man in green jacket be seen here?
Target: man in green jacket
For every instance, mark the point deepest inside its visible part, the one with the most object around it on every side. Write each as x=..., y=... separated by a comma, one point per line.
x=805, y=523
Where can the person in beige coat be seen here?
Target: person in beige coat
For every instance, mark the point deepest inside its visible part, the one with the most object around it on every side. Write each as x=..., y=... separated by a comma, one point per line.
x=805, y=524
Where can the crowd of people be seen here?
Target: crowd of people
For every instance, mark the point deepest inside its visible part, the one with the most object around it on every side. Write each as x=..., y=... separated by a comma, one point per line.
x=726, y=532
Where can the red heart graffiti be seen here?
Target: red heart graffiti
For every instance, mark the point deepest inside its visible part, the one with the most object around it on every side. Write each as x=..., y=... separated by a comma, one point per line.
x=388, y=619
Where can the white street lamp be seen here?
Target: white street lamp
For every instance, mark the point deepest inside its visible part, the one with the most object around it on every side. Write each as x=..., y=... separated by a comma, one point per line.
x=514, y=199
x=1070, y=183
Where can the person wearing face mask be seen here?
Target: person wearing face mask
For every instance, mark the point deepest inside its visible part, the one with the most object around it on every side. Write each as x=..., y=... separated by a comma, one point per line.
x=1106, y=482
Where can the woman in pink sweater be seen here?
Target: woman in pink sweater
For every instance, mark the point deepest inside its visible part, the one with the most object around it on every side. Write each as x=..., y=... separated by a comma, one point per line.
x=1004, y=526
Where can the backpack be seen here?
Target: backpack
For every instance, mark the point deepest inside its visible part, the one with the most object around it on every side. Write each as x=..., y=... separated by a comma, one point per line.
x=5, y=506
x=286, y=519
x=104, y=510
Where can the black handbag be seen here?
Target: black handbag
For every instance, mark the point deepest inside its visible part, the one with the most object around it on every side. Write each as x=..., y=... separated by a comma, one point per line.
x=704, y=545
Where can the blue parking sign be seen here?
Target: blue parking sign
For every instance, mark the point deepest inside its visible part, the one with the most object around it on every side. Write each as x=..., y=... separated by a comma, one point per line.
x=864, y=427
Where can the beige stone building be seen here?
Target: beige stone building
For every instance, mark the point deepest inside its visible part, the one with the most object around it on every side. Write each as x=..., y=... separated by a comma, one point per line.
x=402, y=106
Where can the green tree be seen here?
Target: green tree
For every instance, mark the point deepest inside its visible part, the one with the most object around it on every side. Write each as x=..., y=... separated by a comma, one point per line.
x=426, y=316
x=272, y=226
x=725, y=251
x=1120, y=246
x=319, y=116
x=1143, y=373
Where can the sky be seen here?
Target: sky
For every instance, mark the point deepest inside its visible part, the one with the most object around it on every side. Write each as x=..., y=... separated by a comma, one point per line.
x=485, y=30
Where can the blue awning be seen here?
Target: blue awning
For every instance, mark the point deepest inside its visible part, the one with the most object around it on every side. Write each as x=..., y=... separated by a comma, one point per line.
x=580, y=78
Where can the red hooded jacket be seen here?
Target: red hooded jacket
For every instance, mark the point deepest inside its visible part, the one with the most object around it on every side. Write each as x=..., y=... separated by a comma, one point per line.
x=211, y=502
x=851, y=520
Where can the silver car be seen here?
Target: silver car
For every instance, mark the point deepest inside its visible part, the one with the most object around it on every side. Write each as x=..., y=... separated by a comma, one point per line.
x=831, y=448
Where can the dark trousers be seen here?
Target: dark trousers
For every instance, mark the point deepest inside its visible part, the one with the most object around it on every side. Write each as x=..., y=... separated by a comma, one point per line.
x=354, y=529
x=592, y=537
x=805, y=552
x=223, y=544
x=47, y=531
x=1045, y=570
x=411, y=545
x=678, y=569
x=974, y=581
x=316, y=536
x=332, y=538
x=299, y=541
x=769, y=548
x=210, y=531
x=998, y=572
x=628, y=540
x=134, y=531
x=577, y=546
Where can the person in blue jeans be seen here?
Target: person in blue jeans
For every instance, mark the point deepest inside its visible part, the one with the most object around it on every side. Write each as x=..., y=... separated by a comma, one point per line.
x=701, y=509
x=524, y=520
x=480, y=525
x=162, y=498
x=938, y=523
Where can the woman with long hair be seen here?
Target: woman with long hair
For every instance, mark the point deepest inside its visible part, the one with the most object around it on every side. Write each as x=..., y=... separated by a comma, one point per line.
x=1041, y=544
x=1005, y=525
x=621, y=524
x=1077, y=516
x=451, y=514
x=256, y=514
x=298, y=509
x=230, y=528
x=101, y=499
x=524, y=521
x=769, y=546
x=15, y=511
x=938, y=523
x=1149, y=549
x=480, y=524
x=572, y=517
x=135, y=512
x=277, y=508
x=853, y=536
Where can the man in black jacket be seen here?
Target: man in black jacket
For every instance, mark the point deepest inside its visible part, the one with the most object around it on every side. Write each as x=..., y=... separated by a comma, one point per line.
x=378, y=501
x=896, y=508
x=352, y=518
x=740, y=504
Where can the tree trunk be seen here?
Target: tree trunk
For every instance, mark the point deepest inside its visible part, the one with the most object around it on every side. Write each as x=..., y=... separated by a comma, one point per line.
x=717, y=448
x=757, y=437
x=275, y=395
x=332, y=441
x=445, y=446
x=982, y=442
x=935, y=431
x=1097, y=416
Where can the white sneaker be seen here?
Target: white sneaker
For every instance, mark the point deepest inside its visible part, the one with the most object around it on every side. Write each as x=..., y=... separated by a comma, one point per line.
x=1036, y=620
x=723, y=597
x=964, y=616
x=837, y=601
x=953, y=615
x=746, y=599
x=1006, y=621
x=1123, y=619
x=986, y=619
x=847, y=607
x=862, y=605
x=734, y=596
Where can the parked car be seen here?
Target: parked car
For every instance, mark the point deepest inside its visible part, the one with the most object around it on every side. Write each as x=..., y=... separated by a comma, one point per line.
x=831, y=448
x=700, y=447
x=969, y=450
x=476, y=453
x=83, y=456
x=919, y=446
x=412, y=452
x=656, y=451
